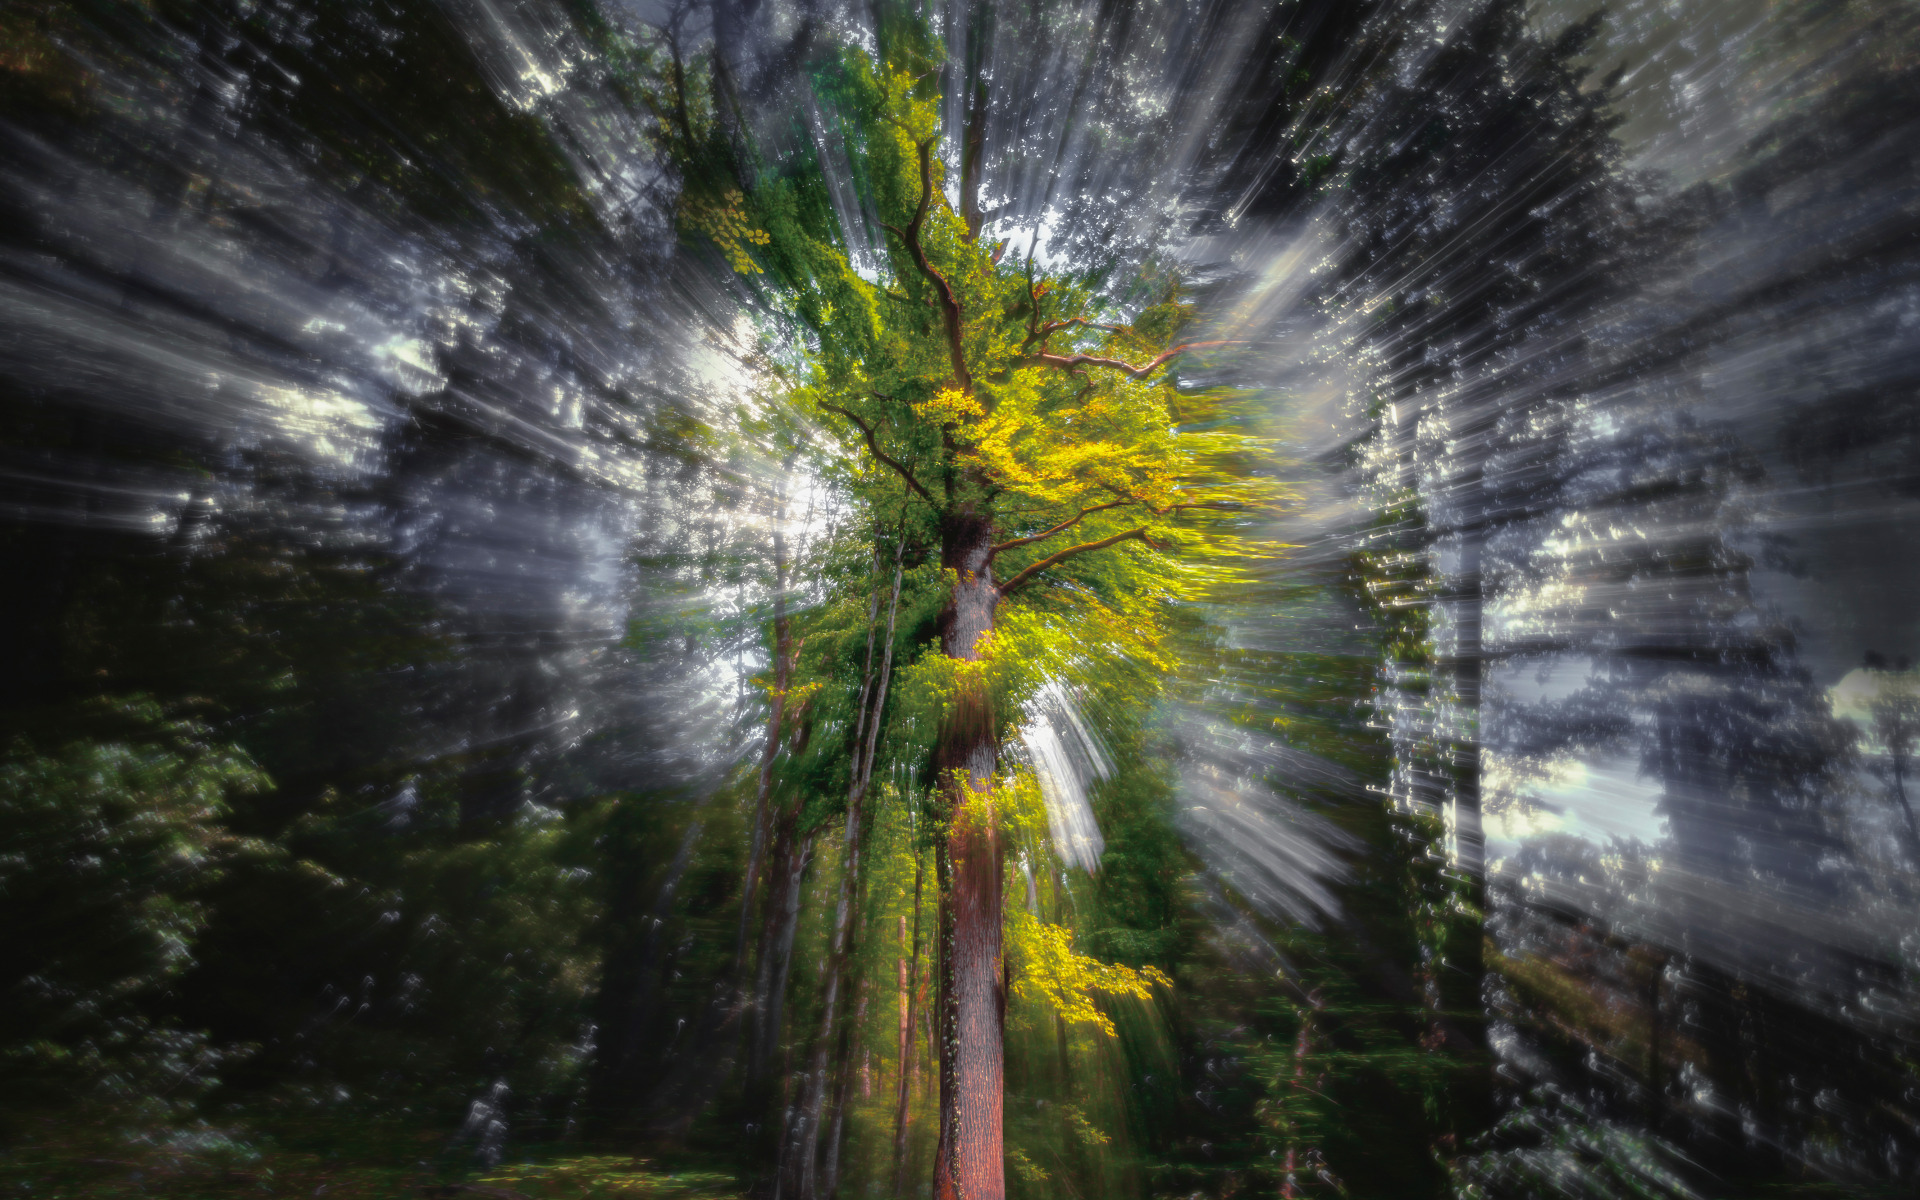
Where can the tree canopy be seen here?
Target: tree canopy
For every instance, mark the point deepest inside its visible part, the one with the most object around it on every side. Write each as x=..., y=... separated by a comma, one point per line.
x=1027, y=433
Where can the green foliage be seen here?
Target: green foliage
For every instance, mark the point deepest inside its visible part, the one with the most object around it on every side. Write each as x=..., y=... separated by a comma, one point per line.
x=594, y=1177
x=1346, y=1071
x=133, y=906
x=111, y=846
x=364, y=1160
x=958, y=371
x=1552, y=1147
x=1141, y=887
x=274, y=899
x=963, y=387
x=492, y=919
x=376, y=956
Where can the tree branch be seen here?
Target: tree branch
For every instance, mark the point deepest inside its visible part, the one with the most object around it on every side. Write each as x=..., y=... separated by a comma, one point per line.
x=949, y=304
x=873, y=444
x=1054, y=560
x=1214, y=505
x=1073, y=362
x=1033, y=303
x=1061, y=527
x=1043, y=332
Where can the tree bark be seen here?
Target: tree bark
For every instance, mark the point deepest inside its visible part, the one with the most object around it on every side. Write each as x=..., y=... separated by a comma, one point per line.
x=968, y=1165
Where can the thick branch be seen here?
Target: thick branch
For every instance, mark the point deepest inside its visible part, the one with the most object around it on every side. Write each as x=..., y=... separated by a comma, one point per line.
x=1063, y=526
x=1073, y=362
x=873, y=444
x=1054, y=560
x=949, y=303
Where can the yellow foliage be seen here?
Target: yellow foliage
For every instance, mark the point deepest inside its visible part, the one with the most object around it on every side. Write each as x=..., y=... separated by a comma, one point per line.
x=1084, y=1131
x=1047, y=967
x=949, y=406
x=1079, y=638
x=725, y=221
x=796, y=695
x=1024, y=1168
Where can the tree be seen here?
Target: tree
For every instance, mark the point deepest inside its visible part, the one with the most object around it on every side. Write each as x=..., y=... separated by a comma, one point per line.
x=1074, y=495
x=115, y=837
x=1896, y=724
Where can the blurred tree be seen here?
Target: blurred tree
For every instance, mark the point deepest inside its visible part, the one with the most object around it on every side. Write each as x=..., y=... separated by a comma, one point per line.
x=1072, y=501
x=114, y=836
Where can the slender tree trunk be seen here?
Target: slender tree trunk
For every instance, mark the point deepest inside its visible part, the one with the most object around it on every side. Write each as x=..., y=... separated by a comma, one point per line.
x=979, y=37
x=1289, y=1187
x=909, y=996
x=802, y=1146
x=790, y=856
x=972, y=867
x=640, y=1019
x=842, y=1098
x=617, y=1090
x=1900, y=792
x=886, y=663
x=1063, y=1049
x=928, y=1083
x=782, y=675
x=1464, y=970
x=1656, y=1088
x=904, y=980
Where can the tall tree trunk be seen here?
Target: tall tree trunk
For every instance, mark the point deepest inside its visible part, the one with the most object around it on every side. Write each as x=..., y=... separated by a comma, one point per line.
x=972, y=867
x=1462, y=1017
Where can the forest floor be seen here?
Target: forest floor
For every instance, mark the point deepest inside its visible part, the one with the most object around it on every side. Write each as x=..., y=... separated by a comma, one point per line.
x=65, y=1163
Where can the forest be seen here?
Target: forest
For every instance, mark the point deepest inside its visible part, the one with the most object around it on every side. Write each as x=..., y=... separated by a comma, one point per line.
x=764, y=598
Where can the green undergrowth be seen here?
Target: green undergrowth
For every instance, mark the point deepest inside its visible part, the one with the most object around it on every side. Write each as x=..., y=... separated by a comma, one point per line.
x=379, y=1164
x=608, y=1175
